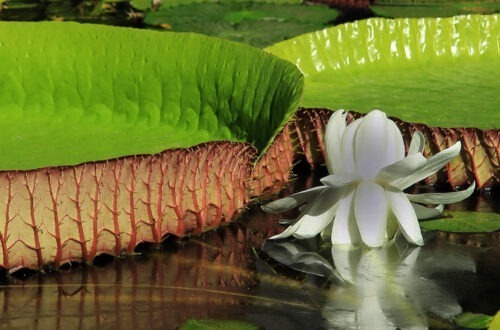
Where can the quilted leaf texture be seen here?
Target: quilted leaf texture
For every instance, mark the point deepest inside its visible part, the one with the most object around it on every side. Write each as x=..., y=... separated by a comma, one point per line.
x=59, y=214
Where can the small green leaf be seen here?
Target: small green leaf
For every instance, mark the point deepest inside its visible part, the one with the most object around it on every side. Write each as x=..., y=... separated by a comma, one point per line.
x=465, y=222
x=217, y=325
x=473, y=321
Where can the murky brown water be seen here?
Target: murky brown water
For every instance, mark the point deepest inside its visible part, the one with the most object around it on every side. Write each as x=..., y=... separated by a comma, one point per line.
x=224, y=275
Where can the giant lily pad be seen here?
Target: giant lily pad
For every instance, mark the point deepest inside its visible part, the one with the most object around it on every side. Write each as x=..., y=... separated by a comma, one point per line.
x=183, y=113
x=434, y=8
x=442, y=72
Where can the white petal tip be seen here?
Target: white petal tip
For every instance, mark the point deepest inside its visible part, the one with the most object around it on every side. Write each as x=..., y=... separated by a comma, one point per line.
x=279, y=236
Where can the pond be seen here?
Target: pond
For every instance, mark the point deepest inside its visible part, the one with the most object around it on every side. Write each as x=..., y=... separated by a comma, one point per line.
x=226, y=275
x=232, y=273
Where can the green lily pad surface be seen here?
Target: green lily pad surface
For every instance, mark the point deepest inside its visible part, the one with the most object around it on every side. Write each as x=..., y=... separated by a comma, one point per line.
x=443, y=72
x=72, y=92
x=465, y=222
x=258, y=24
x=434, y=8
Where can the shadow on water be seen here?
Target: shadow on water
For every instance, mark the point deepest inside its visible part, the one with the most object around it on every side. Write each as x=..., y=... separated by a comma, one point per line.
x=229, y=274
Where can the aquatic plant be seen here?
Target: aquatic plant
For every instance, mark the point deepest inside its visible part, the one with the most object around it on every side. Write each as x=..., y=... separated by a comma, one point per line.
x=86, y=129
x=363, y=195
x=153, y=135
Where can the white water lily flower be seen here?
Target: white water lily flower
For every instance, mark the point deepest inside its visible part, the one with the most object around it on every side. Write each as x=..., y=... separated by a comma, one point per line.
x=363, y=195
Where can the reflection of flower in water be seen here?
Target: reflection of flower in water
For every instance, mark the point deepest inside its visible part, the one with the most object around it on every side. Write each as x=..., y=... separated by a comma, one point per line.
x=384, y=288
x=363, y=195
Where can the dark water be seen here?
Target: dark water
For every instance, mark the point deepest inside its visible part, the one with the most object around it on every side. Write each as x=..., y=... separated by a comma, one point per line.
x=225, y=275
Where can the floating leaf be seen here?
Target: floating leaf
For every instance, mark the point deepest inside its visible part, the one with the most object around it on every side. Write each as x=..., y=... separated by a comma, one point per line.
x=258, y=24
x=436, y=71
x=432, y=71
x=473, y=321
x=464, y=222
x=433, y=8
x=67, y=99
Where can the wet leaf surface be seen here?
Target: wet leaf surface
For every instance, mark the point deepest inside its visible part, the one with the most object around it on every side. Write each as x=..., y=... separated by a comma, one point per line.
x=432, y=71
x=464, y=222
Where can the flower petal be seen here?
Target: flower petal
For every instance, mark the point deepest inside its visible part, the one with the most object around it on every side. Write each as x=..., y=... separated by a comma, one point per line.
x=333, y=139
x=316, y=217
x=442, y=198
x=417, y=143
x=292, y=201
x=370, y=209
x=432, y=166
x=396, y=149
x=338, y=180
x=345, y=229
x=347, y=149
x=393, y=174
x=424, y=213
x=378, y=144
x=408, y=222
